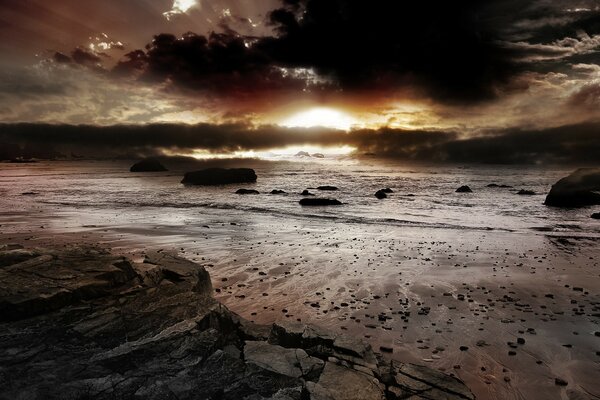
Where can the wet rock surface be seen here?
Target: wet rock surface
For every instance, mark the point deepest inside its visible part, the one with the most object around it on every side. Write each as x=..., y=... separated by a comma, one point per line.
x=81, y=323
x=581, y=188
x=464, y=189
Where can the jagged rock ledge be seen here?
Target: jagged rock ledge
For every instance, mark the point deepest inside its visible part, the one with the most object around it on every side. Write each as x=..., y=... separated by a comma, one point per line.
x=80, y=323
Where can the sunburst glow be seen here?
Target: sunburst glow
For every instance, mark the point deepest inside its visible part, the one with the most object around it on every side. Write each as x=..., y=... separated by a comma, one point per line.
x=323, y=117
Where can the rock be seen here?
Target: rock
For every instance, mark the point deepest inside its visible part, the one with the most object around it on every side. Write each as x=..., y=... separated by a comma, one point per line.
x=148, y=165
x=219, y=176
x=42, y=284
x=380, y=194
x=524, y=192
x=302, y=154
x=246, y=191
x=495, y=185
x=318, y=155
x=294, y=363
x=277, y=191
x=320, y=202
x=576, y=190
x=305, y=192
x=327, y=188
x=596, y=215
x=464, y=189
x=339, y=383
x=560, y=382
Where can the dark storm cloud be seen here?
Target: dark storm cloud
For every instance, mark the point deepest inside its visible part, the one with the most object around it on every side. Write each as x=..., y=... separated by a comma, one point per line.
x=578, y=144
x=446, y=48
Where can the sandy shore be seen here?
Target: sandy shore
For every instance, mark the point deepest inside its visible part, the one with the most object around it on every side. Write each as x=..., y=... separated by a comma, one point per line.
x=508, y=314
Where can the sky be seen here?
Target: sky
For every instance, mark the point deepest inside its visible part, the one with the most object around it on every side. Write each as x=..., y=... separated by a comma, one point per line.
x=399, y=78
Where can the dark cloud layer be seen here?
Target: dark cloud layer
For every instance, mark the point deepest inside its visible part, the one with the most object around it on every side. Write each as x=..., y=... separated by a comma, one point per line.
x=449, y=49
x=573, y=144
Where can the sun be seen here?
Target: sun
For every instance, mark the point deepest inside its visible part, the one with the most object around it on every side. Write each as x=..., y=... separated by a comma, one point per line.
x=320, y=117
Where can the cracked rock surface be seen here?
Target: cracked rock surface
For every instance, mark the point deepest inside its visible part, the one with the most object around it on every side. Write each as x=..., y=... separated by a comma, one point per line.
x=80, y=323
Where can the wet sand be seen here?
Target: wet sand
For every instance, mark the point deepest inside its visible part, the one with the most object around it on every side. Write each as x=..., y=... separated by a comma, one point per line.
x=506, y=312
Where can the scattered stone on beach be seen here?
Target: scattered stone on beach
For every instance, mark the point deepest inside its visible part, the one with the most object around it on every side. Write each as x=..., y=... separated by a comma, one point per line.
x=596, y=215
x=305, y=192
x=327, y=188
x=219, y=176
x=320, y=202
x=560, y=382
x=148, y=165
x=464, y=189
x=277, y=191
x=525, y=192
x=380, y=194
x=495, y=185
x=581, y=188
x=246, y=191
x=153, y=330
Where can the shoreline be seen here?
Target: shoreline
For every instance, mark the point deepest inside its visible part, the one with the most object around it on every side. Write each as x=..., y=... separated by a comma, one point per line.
x=427, y=333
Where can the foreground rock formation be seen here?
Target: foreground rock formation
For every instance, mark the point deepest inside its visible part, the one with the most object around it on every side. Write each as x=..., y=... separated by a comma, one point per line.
x=219, y=176
x=148, y=165
x=80, y=323
x=581, y=188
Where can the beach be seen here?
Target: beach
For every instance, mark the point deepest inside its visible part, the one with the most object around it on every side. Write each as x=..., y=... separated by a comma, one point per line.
x=491, y=286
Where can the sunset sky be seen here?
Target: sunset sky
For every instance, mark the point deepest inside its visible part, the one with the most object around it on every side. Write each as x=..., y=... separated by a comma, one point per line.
x=239, y=70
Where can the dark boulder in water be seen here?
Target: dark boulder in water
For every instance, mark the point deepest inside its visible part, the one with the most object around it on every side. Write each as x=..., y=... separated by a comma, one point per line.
x=381, y=194
x=277, y=191
x=387, y=190
x=495, y=185
x=525, y=192
x=148, y=165
x=246, y=191
x=327, y=188
x=320, y=202
x=464, y=189
x=219, y=176
x=581, y=188
x=305, y=192
x=596, y=215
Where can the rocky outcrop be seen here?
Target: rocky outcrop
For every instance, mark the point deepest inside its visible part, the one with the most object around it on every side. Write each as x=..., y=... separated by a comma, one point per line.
x=581, y=188
x=278, y=191
x=148, y=165
x=152, y=330
x=596, y=215
x=464, y=189
x=305, y=192
x=219, y=176
x=319, y=202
